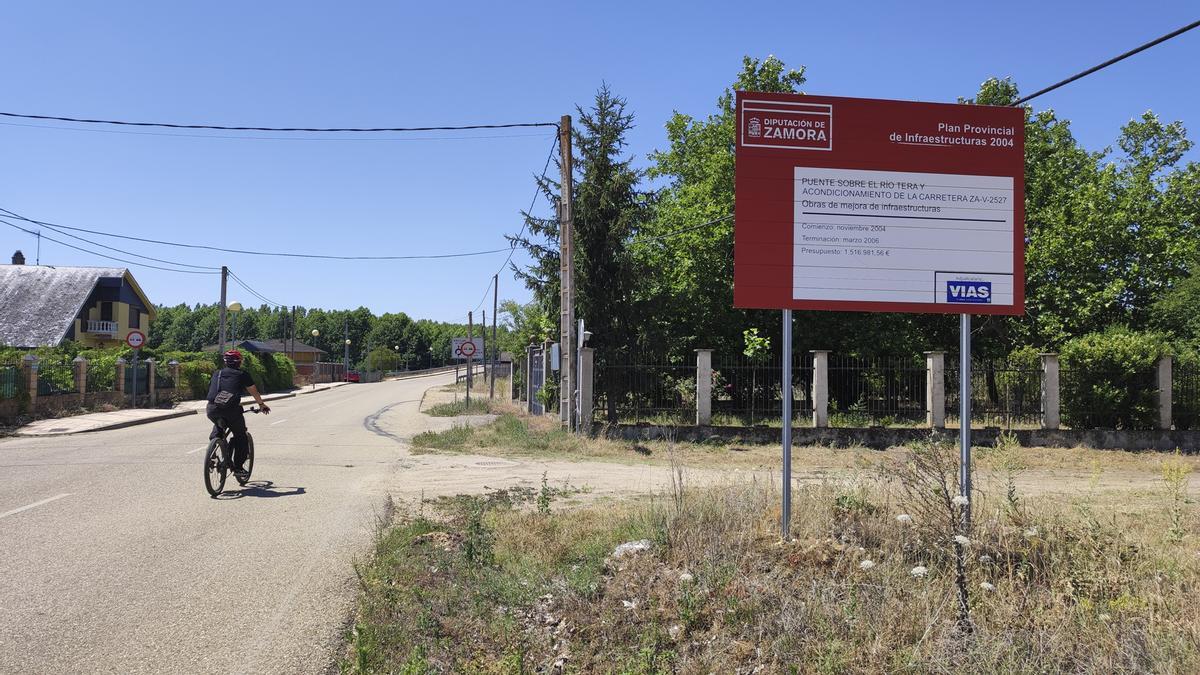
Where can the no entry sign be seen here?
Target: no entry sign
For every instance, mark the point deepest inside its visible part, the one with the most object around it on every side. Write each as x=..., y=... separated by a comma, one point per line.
x=874, y=205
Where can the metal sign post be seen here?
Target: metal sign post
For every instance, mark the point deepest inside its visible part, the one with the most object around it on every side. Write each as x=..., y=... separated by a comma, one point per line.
x=787, y=424
x=964, y=415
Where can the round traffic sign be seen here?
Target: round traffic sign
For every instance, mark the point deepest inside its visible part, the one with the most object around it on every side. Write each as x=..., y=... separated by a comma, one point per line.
x=135, y=339
x=467, y=349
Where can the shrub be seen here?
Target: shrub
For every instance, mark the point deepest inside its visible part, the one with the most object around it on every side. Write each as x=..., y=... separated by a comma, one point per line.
x=196, y=375
x=1108, y=379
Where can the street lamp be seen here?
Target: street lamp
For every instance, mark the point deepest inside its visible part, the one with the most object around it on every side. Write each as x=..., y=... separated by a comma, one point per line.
x=316, y=364
x=236, y=308
x=346, y=368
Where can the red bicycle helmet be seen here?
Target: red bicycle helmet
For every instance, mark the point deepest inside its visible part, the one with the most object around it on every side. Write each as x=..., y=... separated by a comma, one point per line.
x=233, y=358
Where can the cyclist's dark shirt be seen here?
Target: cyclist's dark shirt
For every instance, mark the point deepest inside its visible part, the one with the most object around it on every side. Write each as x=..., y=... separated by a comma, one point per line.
x=231, y=380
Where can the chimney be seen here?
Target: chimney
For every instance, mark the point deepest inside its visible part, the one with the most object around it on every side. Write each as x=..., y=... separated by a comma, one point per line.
x=18, y=258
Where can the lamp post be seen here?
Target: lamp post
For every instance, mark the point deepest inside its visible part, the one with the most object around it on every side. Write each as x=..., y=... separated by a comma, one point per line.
x=397, y=348
x=316, y=364
x=346, y=367
x=236, y=308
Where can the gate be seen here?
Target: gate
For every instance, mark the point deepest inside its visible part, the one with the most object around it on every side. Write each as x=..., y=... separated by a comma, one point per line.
x=537, y=378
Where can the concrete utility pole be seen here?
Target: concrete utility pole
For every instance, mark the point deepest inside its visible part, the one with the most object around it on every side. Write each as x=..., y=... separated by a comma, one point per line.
x=495, y=344
x=483, y=358
x=224, y=283
x=566, y=319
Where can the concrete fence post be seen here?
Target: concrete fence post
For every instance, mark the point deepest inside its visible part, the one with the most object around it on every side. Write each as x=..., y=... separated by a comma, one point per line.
x=704, y=387
x=587, y=386
x=820, y=388
x=29, y=366
x=81, y=368
x=151, y=384
x=1050, y=392
x=935, y=389
x=119, y=381
x=1165, y=391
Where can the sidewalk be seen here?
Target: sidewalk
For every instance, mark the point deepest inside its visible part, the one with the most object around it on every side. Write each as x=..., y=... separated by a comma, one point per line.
x=134, y=416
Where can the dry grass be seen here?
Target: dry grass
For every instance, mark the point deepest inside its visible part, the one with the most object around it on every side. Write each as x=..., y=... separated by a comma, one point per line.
x=1087, y=582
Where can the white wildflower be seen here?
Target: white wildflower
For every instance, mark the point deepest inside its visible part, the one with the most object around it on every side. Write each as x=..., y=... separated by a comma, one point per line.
x=1031, y=532
x=961, y=540
x=985, y=558
x=986, y=586
x=961, y=500
x=685, y=578
x=919, y=571
x=866, y=564
x=904, y=518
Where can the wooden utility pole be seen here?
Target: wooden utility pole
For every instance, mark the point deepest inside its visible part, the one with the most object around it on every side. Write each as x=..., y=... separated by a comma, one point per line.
x=224, y=284
x=566, y=319
x=495, y=344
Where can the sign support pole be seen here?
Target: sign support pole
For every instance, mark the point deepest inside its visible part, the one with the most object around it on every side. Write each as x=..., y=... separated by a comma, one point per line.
x=964, y=415
x=470, y=365
x=786, y=518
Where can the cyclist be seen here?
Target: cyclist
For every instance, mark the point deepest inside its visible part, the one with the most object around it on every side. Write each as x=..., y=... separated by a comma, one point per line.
x=225, y=403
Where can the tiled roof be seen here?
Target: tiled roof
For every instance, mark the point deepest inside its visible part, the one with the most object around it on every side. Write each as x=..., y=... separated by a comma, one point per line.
x=38, y=303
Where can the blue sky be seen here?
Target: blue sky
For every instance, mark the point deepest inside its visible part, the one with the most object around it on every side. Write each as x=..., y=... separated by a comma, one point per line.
x=411, y=64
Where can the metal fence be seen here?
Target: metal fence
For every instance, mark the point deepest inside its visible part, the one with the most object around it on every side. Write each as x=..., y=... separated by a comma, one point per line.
x=12, y=384
x=642, y=388
x=1109, y=399
x=101, y=377
x=56, y=376
x=1003, y=394
x=139, y=374
x=162, y=377
x=749, y=392
x=1186, y=396
x=876, y=392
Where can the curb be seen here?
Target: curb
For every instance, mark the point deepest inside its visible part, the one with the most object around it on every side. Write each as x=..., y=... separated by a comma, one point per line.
x=174, y=414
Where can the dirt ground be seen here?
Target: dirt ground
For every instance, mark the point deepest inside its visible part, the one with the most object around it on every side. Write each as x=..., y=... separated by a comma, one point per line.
x=612, y=469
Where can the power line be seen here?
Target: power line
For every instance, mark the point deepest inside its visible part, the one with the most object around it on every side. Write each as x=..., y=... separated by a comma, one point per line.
x=253, y=292
x=258, y=253
x=136, y=255
x=1109, y=62
x=269, y=138
x=173, y=125
x=525, y=223
x=682, y=230
x=102, y=255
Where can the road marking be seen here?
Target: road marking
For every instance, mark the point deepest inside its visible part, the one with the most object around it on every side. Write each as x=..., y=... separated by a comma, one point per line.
x=326, y=406
x=279, y=422
x=33, y=505
x=197, y=449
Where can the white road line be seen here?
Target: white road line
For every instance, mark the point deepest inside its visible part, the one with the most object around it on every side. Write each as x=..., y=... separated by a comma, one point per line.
x=326, y=406
x=279, y=422
x=33, y=505
x=196, y=450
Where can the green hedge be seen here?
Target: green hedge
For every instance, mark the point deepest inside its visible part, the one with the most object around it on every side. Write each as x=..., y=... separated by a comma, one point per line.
x=1109, y=379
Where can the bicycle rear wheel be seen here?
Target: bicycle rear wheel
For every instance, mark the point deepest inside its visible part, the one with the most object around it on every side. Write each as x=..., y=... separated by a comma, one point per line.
x=249, y=463
x=215, y=468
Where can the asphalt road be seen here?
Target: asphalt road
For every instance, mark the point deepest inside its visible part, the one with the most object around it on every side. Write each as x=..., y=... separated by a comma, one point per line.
x=113, y=558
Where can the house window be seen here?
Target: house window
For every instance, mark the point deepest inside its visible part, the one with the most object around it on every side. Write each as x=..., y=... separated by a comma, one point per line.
x=135, y=317
x=106, y=311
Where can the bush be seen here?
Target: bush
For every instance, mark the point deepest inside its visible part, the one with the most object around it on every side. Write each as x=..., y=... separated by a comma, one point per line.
x=1108, y=379
x=196, y=375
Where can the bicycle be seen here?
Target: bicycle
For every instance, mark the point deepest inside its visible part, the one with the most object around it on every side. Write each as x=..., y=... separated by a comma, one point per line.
x=218, y=459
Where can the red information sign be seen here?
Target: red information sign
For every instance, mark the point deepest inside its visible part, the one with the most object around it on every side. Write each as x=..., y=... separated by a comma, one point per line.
x=135, y=339
x=873, y=205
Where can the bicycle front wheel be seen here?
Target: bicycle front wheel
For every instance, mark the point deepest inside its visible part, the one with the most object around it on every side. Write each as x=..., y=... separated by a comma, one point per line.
x=249, y=463
x=215, y=468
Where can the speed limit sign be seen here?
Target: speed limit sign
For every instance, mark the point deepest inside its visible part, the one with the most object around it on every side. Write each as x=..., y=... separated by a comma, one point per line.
x=135, y=339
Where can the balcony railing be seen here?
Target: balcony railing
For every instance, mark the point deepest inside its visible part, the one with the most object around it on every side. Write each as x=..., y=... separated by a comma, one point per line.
x=101, y=327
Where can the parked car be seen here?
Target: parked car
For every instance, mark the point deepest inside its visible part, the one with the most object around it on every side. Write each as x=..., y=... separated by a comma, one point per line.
x=352, y=376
